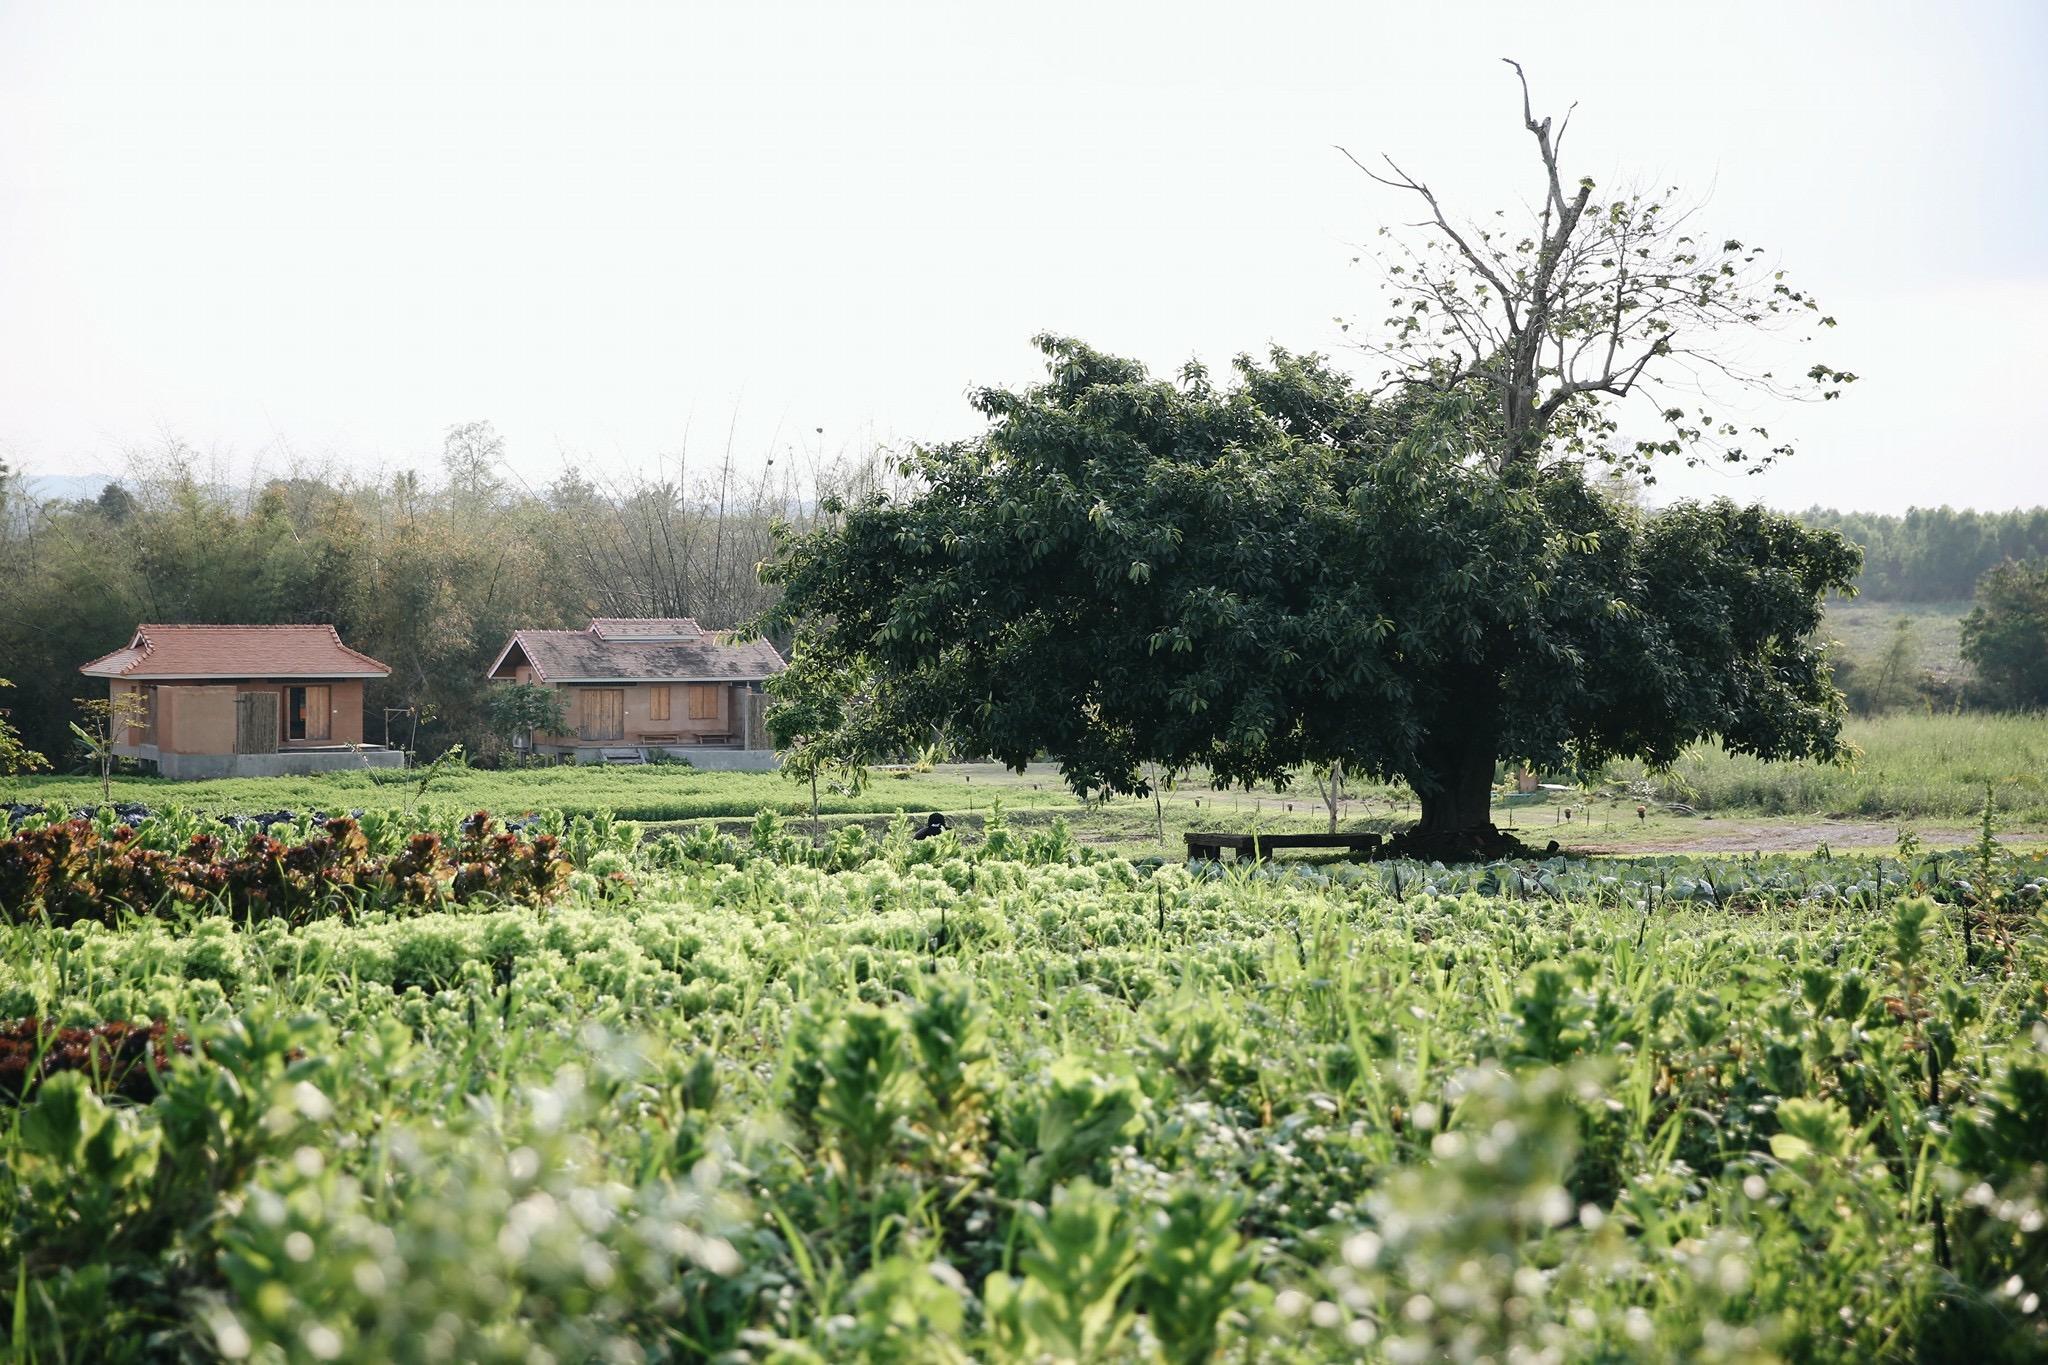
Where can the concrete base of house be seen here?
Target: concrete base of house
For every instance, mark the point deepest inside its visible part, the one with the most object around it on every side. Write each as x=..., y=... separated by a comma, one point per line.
x=284, y=763
x=710, y=758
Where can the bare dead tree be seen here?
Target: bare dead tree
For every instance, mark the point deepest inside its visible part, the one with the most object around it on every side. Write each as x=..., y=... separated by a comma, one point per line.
x=648, y=545
x=1329, y=784
x=1587, y=301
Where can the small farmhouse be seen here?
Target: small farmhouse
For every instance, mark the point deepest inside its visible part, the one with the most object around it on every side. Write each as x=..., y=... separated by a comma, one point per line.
x=632, y=687
x=242, y=701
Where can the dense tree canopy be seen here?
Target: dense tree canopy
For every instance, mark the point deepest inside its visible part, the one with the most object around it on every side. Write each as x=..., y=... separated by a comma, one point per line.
x=1281, y=571
x=2005, y=636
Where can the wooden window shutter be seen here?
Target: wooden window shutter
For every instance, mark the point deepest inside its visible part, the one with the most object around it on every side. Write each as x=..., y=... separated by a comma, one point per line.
x=657, y=702
x=703, y=702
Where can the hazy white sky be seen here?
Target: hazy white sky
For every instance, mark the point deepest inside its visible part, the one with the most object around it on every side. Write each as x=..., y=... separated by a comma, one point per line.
x=617, y=230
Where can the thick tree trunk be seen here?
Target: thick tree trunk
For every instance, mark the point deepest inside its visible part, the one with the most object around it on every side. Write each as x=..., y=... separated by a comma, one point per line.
x=1459, y=795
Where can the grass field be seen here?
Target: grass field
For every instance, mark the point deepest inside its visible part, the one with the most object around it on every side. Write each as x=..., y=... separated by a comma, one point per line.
x=1912, y=770
x=659, y=792
x=1865, y=631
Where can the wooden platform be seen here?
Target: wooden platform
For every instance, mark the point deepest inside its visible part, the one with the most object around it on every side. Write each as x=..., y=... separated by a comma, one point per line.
x=1211, y=846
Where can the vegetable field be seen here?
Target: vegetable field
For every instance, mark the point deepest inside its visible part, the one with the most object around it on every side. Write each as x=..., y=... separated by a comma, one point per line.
x=720, y=1098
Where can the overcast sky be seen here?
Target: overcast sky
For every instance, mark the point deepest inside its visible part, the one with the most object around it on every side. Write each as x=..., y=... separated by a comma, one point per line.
x=620, y=232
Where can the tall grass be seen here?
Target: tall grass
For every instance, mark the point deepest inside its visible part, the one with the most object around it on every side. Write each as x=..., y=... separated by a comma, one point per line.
x=1906, y=766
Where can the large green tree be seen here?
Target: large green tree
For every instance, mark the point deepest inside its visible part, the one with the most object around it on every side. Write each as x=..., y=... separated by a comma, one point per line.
x=2005, y=636
x=1124, y=570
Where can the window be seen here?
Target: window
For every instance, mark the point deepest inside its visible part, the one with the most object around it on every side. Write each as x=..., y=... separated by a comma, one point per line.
x=703, y=702
x=311, y=711
x=657, y=702
x=601, y=713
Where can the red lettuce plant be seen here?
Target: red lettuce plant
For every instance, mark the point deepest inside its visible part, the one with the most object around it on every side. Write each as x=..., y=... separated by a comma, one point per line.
x=66, y=871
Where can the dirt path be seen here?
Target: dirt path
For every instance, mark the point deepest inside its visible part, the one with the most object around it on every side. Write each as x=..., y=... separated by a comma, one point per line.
x=1793, y=836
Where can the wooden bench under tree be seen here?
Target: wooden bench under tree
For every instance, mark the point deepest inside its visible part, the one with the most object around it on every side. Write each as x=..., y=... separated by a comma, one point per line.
x=1211, y=846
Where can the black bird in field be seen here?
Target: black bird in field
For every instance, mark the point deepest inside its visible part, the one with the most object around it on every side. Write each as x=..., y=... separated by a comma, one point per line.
x=934, y=826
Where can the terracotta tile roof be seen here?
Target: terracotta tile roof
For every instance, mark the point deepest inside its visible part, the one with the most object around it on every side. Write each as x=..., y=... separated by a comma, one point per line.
x=615, y=655
x=235, y=652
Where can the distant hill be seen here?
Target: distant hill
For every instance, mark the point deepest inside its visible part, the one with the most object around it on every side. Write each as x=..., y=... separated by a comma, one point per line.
x=1865, y=628
x=64, y=487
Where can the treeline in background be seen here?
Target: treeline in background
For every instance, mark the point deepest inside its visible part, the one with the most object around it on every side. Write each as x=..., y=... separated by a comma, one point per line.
x=429, y=577
x=1934, y=554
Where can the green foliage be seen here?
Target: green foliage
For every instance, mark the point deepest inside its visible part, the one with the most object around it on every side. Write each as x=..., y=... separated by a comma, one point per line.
x=1067, y=1125
x=904, y=1313
x=949, y=1038
x=522, y=710
x=1245, y=580
x=15, y=756
x=107, y=721
x=821, y=718
x=864, y=1087
x=1195, y=1270
x=85, y=1163
x=1069, y=1303
x=2005, y=636
x=923, y=1103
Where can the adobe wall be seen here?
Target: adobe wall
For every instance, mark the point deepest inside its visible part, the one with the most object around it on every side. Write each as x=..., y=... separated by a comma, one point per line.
x=639, y=713
x=199, y=718
x=196, y=718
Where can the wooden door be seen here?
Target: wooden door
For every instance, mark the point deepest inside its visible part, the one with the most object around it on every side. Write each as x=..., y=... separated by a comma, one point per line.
x=256, y=723
x=310, y=713
x=601, y=713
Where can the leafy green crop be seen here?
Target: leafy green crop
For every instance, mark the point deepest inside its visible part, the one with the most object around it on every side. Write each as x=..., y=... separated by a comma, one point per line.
x=892, y=1100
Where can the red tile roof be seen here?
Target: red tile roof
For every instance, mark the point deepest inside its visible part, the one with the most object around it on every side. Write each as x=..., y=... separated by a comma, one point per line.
x=235, y=652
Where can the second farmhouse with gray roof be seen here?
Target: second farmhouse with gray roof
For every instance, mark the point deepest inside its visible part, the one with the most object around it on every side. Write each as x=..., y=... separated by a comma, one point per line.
x=636, y=686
